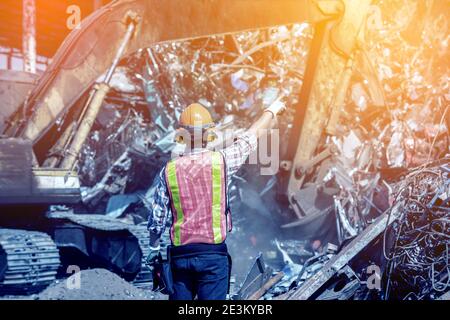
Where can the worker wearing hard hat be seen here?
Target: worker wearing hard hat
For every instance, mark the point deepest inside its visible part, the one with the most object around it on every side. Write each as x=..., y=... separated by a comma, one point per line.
x=191, y=194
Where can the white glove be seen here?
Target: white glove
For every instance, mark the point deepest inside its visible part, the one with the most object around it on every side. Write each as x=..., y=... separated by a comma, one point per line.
x=276, y=108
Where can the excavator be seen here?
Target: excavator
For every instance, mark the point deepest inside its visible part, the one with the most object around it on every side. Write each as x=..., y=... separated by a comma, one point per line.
x=42, y=139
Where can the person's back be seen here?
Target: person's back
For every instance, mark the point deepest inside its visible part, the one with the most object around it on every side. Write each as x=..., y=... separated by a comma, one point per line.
x=197, y=190
x=192, y=189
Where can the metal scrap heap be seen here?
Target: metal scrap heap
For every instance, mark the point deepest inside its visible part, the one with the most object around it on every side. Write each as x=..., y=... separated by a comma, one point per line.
x=373, y=194
x=418, y=257
x=235, y=76
x=395, y=118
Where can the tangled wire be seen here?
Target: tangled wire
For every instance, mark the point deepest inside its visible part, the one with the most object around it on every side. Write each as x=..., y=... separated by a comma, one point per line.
x=418, y=266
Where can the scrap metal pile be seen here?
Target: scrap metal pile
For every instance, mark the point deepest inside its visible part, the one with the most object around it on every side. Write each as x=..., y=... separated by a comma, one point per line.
x=129, y=145
x=418, y=259
x=376, y=143
x=408, y=67
x=409, y=47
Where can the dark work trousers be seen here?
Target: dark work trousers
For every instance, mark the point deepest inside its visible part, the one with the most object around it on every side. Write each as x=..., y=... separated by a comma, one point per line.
x=204, y=275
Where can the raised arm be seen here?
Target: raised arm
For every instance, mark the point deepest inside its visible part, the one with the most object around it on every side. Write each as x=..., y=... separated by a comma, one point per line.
x=265, y=121
x=237, y=153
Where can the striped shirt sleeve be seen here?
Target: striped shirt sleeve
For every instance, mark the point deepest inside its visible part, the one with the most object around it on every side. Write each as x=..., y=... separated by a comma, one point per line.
x=158, y=203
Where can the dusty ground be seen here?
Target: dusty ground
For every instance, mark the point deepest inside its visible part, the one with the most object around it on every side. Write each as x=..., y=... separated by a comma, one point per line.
x=95, y=284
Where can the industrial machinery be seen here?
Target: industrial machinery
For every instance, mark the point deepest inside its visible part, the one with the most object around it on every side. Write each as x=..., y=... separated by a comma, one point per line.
x=44, y=136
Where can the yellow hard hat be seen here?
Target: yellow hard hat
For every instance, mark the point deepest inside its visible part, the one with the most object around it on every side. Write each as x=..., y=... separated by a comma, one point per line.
x=196, y=115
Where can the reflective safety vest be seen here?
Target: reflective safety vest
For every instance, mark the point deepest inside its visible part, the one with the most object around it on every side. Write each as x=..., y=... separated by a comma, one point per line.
x=197, y=187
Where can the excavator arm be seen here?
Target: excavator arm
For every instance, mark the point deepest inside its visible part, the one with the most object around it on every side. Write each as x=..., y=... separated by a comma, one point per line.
x=323, y=96
x=88, y=52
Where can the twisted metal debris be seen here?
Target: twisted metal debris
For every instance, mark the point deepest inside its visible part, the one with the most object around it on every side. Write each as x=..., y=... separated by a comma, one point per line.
x=418, y=261
x=235, y=75
x=405, y=56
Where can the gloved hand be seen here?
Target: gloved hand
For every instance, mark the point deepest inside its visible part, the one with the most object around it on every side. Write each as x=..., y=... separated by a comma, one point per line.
x=152, y=257
x=277, y=107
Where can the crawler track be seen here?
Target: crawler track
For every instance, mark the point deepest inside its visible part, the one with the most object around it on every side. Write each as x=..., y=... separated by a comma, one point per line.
x=29, y=261
x=144, y=278
x=101, y=223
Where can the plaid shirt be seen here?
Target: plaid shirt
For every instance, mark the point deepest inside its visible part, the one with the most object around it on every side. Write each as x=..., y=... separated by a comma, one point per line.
x=158, y=202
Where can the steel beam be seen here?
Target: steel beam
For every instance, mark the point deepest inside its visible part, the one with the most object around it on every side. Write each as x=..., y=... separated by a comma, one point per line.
x=317, y=281
x=29, y=35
